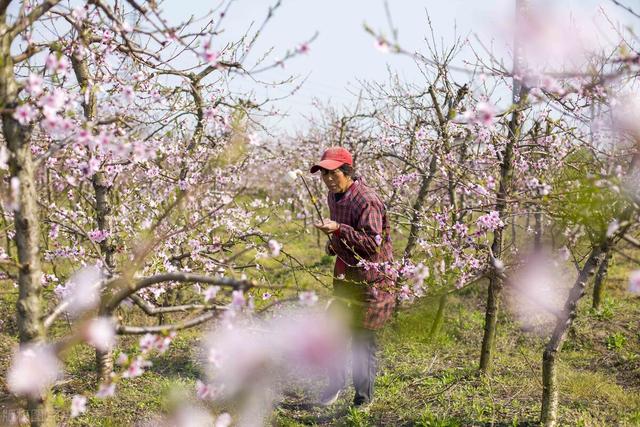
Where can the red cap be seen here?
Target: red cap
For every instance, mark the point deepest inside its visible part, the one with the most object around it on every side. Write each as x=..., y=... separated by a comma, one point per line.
x=333, y=158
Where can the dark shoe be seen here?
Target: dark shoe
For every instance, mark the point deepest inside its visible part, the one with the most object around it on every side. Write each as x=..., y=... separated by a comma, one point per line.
x=361, y=402
x=329, y=396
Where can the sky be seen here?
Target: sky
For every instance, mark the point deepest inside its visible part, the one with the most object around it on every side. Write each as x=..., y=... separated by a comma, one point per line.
x=344, y=54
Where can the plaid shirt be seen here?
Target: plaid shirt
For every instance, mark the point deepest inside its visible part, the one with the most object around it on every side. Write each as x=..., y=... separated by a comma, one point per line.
x=363, y=246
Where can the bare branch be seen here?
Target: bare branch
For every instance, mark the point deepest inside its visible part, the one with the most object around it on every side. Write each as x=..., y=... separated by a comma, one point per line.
x=139, y=330
x=36, y=13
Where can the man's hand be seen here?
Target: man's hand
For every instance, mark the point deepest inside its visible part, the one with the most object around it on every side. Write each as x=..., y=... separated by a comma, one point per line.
x=326, y=226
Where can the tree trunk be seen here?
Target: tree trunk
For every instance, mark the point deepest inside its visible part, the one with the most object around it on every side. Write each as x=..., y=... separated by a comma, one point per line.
x=21, y=168
x=437, y=321
x=598, y=286
x=549, y=412
x=417, y=208
x=506, y=177
x=538, y=229
x=103, y=208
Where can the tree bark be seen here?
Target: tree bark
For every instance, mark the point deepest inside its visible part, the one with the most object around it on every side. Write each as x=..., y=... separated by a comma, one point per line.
x=506, y=177
x=21, y=167
x=102, y=190
x=437, y=321
x=549, y=412
x=598, y=286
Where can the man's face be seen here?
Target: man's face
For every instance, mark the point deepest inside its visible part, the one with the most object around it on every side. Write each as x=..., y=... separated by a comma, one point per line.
x=335, y=180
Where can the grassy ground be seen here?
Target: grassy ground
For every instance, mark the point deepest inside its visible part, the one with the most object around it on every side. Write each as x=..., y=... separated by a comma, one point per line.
x=423, y=380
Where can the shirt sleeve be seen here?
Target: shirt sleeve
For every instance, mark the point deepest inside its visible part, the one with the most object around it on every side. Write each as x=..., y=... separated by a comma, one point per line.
x=365, y=237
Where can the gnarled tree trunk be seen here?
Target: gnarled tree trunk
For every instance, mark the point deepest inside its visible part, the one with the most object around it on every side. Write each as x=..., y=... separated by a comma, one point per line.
x=506, y=177
x=21, y=170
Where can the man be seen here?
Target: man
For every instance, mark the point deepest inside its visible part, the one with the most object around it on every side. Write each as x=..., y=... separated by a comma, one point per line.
x=359, y=237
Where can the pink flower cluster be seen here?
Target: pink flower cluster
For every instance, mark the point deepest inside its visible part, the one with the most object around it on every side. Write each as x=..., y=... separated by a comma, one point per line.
x=490, y=221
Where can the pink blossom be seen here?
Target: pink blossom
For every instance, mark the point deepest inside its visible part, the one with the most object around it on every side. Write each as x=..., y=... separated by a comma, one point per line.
x=79, y=13
x=100, y=333
x=14, y=200
x=147, y=342
x=52, y=102
x=136, y=367
x=210, y=293
x=378, y=239
x=127, y=93
x=57, y=65
x=237, y=299
x=382, y=45
x=490, y=221
x=82, y=290
x=107, y=36
x=24, y=114
x=106, y=390
x=34, y=85
x=308, y=298
x=78, y=405
x=483, y=115
x=634, y=282
x=204, y=391
x=223, y=420
x=538, y=289
x=122, y=359
x=303, y=48
x=98, y=235
x=33, y=370
x=274, y=247
x=4, y=158
x=209, y=55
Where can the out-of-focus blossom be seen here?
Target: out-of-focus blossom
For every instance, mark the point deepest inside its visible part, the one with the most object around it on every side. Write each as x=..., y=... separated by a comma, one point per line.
x=14, y=196
x=292, y=175
x=634, y=282
x=33, y=85
x=538, y=290
x=382, y=45
x=483, y=115
x=33, y=370
x=205, y=391
x=98, y=235
x=490, y=221
x=308, y=298
x=274, y=247
x=100, y=333
x=136, y=367
x=106, y=390
x=237, y=299
x=210, y=293
x=82, y=290
x=24, y=114
x=4, y=158
x=223, y=420
x=78, y=405
x=209, y=55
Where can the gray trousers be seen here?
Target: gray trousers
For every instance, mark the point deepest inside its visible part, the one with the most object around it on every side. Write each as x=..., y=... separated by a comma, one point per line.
x=364, y=366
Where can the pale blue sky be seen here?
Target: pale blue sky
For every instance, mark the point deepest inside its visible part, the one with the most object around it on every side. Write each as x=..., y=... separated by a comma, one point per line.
x=344, y=52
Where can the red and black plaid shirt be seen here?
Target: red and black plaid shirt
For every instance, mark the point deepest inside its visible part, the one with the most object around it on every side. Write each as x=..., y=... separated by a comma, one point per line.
x=363, y=249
